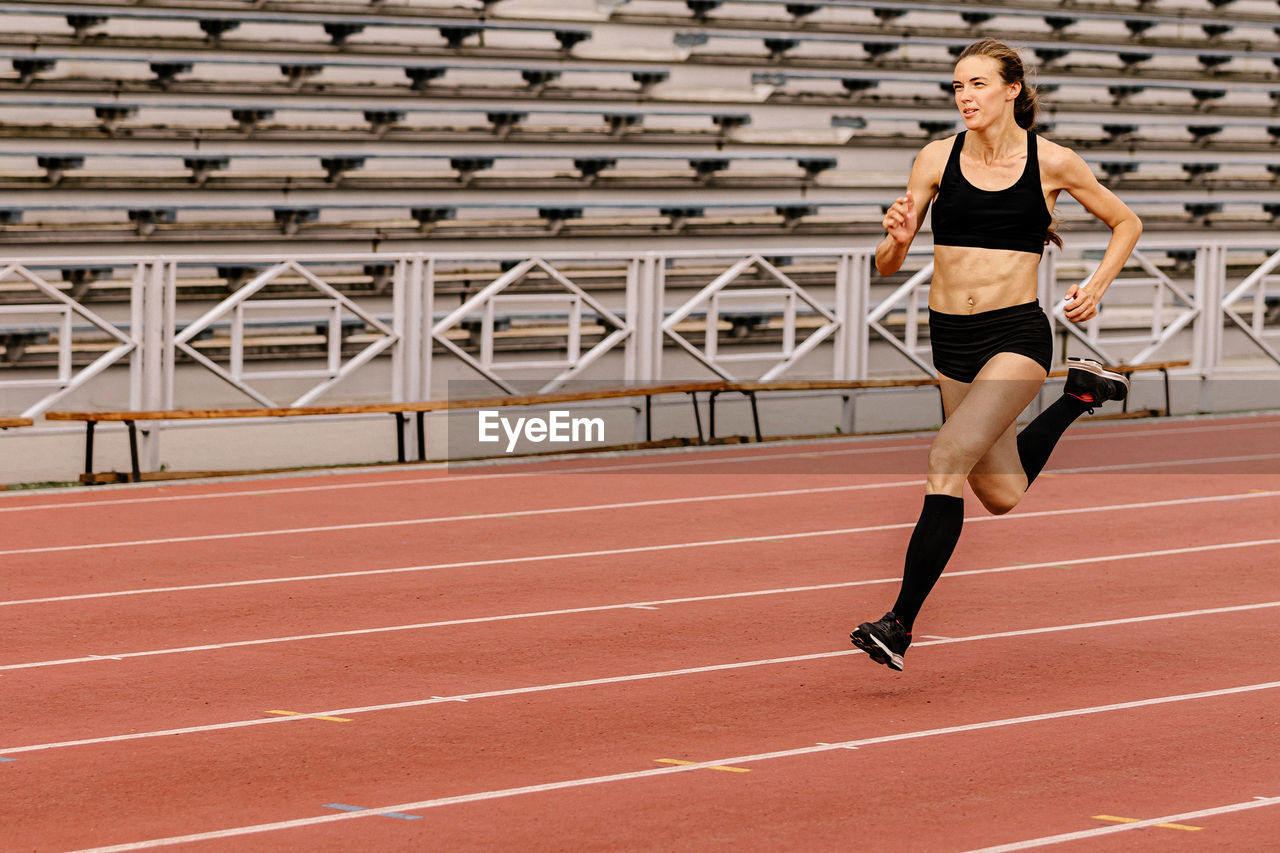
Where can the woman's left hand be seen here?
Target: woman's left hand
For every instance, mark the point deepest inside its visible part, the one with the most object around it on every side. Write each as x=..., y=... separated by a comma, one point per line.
x=1080, y=304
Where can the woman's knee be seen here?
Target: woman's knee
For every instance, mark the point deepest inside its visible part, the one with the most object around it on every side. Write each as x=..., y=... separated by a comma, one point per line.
x=997, y=498
x=1000, y=503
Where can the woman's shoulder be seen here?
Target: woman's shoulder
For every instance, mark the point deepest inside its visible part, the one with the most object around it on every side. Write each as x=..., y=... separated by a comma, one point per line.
x=933, y=156
x=941, y=147
x=1055, y=156
x=1059, y=161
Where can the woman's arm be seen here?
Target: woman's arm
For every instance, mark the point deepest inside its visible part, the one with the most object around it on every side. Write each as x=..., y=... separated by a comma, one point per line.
x=1077, y=178
x=902, y=221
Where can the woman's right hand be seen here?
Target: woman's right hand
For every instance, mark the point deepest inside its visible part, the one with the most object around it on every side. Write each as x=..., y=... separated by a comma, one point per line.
x=900, y=221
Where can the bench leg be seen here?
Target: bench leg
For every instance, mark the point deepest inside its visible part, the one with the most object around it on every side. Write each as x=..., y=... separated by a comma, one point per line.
x=133, y=452
x=422, y=437
x=755, y=415
x=697, y=415
x=88, y=447
x=1168, y=403
x=648, y=417
x=711, y=415
x=400, y=457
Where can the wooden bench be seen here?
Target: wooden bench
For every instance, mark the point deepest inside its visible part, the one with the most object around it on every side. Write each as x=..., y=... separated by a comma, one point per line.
x=1129, y=369
x=419, y=409
x=751, y=389
x=401, y=411
x=8, y=423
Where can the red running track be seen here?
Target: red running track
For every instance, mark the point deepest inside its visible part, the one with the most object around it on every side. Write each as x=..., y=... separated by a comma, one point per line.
x=650, y=652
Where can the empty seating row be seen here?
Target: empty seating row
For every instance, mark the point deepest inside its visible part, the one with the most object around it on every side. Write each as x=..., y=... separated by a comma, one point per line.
x=289, y=218
x=1049, y=83
x=328, y=96
x=277, y=170
x=456, y=24
x=877, y=43
x=36, y=68
x=334, y=165
x=1166, y=125
x=503, y=119
x=33, y=73
x=1214, y=22
x=1048, y=50
x=851, y=83
x=243, y=220
x=1119, y=165
x=83, y=19
x=498, y=118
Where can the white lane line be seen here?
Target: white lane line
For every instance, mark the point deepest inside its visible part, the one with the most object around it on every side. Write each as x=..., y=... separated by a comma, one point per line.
x=1048, y=840
x=447, y=519
x=528, y=513
x=569, y=611
x=1108, y=434
x=649, y=773
x=608, y=552
x=431, y=567
x=1165, y=463
x=750, y=453
x=604, y=552
x=462, y=479
x=624, y=679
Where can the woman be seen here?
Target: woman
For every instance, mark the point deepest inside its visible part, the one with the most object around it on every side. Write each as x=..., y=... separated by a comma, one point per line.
x=992, y=188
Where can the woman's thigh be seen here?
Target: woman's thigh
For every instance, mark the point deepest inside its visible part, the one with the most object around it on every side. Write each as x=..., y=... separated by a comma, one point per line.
x=980, y=432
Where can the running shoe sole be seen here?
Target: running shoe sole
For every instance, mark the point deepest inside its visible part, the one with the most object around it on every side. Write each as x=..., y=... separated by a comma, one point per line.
x=876, y=650
x=1098, y=370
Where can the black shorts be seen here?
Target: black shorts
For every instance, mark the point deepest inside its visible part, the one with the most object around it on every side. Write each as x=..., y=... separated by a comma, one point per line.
x=963, y=343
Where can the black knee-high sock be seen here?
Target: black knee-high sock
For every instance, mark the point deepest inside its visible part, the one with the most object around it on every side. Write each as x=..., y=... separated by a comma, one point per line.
x=1037, y=439
x=931, y=545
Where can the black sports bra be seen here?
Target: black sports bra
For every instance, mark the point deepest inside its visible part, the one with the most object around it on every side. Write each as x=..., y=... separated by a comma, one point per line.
x=1014, y=218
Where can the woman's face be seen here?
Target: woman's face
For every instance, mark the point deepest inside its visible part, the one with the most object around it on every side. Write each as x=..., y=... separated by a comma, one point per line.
x=981, y=95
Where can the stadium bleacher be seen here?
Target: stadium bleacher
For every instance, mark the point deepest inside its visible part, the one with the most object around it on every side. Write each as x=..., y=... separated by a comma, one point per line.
x=289, y=126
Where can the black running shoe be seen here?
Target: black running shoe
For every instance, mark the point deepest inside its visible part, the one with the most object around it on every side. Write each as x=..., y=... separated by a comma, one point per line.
x=1091, y=383
x=885, y=641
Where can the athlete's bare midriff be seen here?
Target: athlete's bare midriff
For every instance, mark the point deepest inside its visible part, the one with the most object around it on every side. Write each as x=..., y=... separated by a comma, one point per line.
x=967, y=280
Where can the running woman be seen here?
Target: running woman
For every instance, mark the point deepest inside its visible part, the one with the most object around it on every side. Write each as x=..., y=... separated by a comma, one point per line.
x=992, y=188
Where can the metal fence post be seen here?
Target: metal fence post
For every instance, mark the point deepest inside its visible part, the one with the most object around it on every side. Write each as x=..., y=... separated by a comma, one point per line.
x=148, y=392
x=644, y=313
x=421, y=274
x=1206, y=348
x=853, y=292
x=649, y=321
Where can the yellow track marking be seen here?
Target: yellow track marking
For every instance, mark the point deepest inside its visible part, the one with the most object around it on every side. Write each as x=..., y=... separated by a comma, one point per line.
x=1114, y=819
x=678, y=761
x=300, y=714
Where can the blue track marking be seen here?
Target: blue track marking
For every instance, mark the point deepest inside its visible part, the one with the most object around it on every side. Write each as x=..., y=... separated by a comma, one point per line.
x=342, y=807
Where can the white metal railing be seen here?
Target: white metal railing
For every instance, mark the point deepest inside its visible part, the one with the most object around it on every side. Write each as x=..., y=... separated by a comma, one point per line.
x=63, y=310
x=785, y=298
x=1177, y=305
x=326, y=307
x=1260, y=290
x=486, y=302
